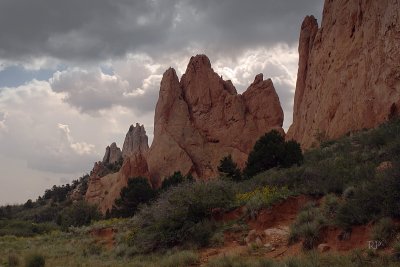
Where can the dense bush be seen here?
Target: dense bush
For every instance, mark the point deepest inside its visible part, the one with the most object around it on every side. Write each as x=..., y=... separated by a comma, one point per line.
x=175, y=179
x=379, y=197
x=271, y=151
x=228, y=168
x=181, y=215
x=138, y=191
x=78, y=214
x=24, y=228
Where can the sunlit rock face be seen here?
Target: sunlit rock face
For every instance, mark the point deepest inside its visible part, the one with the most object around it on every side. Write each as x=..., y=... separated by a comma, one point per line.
x=201, y=118
x=349, y=70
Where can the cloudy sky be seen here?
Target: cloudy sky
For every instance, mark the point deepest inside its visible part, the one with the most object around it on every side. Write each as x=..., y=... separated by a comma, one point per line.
x=75, y=74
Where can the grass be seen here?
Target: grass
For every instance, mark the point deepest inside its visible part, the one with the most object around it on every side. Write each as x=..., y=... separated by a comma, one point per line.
x=311, y=259
x=307, y=226
x=72, y=249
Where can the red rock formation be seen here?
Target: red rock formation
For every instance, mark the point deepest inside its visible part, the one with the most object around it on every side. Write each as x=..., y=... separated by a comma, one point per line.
x=349, y=70
x=104, y=187
x=201, y=119
x=136, y=141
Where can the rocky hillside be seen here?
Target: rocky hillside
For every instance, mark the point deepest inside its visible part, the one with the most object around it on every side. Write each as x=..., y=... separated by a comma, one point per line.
x=198, y=121
x=349, y=70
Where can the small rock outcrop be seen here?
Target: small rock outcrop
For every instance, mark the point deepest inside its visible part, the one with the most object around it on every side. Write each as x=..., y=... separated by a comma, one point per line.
x=349, y=70
x=113, y=154
x=201, y=119
x=105, y=187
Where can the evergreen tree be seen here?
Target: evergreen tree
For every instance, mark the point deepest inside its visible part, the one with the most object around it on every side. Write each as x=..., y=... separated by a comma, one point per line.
x=138, y=191
x=271, y=151
x=228, y=168
x=175, y=179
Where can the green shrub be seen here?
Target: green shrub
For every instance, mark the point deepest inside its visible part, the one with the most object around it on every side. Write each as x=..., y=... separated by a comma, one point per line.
x=373, y=199
x=330, y=205
x=138, y=191
x=25, y=228
x=228, y=168
x=181, y=216
x=384, y=231
x=307, y=226
x=35, y=260
x=175, y=179
x=271, y=151
x=78, y=214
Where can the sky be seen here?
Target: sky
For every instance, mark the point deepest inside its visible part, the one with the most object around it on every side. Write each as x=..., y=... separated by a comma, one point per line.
x=74, y=75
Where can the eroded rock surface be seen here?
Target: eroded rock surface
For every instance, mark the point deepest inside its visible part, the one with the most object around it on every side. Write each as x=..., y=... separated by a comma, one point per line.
x=201, y=118
x=349, y=70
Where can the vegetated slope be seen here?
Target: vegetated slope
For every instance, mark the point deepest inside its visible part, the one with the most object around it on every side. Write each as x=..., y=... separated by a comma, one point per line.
x=352, y=182
x=356, y=177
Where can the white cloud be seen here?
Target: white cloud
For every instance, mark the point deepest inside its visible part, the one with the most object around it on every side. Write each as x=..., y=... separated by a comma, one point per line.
x=52, y=136
x=81, y=148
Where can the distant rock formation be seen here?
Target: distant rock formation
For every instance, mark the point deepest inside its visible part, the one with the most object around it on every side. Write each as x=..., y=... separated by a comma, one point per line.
x=113, y=154
x=201, y=119
x=349, y=70
x=136, y=141
x=105, y=187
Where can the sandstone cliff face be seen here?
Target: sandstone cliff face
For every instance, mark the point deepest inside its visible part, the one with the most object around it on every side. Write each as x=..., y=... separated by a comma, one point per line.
x=201, y=119
x=113, y=154
x=103, y=188
x=349, y=70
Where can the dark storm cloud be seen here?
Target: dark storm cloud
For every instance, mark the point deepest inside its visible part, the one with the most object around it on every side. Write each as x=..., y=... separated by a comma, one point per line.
x=82, y=30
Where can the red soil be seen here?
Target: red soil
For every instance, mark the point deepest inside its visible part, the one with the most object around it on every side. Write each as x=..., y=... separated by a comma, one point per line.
x=104, y=236
x=282, y=215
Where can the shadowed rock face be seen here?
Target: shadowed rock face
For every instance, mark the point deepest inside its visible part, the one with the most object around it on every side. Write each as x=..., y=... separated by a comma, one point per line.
x=349, y=70
x=201, y=118
x=112, y=155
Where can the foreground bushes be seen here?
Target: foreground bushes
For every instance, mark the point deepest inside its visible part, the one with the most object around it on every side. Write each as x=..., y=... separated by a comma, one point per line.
x=181, y=216
x=374, y=199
